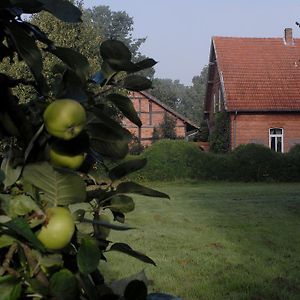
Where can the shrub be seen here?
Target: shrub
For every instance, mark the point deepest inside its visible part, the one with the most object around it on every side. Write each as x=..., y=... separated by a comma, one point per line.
x=253, y=162
x=168, y=160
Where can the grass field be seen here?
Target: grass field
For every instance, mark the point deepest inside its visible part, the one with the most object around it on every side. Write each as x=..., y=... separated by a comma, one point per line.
x=216, y=241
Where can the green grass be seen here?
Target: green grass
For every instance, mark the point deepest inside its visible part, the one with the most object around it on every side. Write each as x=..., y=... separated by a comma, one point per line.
x=216, y=241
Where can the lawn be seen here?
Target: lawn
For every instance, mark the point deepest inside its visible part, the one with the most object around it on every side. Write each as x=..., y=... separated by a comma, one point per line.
x=216, y=241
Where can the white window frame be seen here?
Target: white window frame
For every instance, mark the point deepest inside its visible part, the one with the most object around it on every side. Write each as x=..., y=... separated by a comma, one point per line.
x=276, y=136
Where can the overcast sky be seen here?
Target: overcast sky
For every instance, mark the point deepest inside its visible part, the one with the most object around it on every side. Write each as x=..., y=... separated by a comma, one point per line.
x=179, y=32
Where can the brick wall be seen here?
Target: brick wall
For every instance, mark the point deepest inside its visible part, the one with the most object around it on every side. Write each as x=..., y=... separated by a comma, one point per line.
x=251, y=128
x=151, y=115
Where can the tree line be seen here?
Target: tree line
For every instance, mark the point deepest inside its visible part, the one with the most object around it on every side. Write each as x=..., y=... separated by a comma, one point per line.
x=101, y=23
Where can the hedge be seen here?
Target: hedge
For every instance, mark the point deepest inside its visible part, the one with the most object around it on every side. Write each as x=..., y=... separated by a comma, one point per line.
x=178, y=159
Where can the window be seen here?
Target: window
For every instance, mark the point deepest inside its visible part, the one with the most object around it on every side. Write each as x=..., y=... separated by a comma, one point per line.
x=276, y=139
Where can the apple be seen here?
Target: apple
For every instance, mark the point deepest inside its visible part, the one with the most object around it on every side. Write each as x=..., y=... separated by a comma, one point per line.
x=58, y=229
x=64, y=159
x=64, y=118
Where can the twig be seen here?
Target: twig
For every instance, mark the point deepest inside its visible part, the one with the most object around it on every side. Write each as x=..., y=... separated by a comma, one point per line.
x=8, y=257
x=33, y=264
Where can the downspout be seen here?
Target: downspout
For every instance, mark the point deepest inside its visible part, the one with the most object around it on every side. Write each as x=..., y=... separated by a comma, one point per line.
x=234, y=130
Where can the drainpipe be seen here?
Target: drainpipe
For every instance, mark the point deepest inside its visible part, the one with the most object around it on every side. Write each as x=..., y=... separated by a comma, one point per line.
x=234, y=129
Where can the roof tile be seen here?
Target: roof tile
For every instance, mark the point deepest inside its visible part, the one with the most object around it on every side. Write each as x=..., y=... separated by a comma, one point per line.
x=259, y=73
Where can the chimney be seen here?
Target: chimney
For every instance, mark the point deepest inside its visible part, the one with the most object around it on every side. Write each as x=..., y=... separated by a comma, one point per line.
x=288, y=36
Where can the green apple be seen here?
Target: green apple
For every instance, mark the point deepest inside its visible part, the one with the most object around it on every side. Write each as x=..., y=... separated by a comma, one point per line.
x=64, y=118
x=58, y=229
x=64, y=159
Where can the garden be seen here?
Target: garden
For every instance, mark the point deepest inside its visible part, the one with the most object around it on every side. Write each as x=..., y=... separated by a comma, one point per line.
x=82, y=219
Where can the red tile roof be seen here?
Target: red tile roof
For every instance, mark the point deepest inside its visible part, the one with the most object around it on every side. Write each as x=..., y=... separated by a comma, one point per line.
x=259, y=74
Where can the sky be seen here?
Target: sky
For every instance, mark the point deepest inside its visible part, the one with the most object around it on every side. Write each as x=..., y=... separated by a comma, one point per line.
x=179, y=32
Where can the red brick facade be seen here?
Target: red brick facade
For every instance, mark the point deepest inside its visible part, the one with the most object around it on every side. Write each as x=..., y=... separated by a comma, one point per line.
x=254, y=128
x=151, y=112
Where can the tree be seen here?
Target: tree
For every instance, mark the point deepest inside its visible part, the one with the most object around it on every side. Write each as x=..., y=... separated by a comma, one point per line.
x=37, y=198
x=167, y=127
x=188, y=100
x=117, y=25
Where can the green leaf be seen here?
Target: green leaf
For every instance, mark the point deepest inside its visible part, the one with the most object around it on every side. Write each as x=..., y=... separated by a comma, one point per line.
x=2, y=175
x=88, y=256
x=137, y=83
x=28, y=6
x=18, y=205
x=73, y=59
x=126, y=168
x=121, y=203
x=105, y=132
x=6, y=240
x=115, y=51
x=11, y=174
x=143, y=64
x=31, y=143
x=124, y=248
x=71, y=86
x=135, y=188
x=63, y=10
x=59, y=187
x=64, y=285
x=10, y=290
x=114, y=150
x=108, y=225
x=21, y=228
x=28, y=50
x=125, y=105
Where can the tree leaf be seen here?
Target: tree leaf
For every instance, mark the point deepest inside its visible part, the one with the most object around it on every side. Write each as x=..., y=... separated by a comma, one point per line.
x=135, y=188
x=11, y=174
x=64, y=285
x=106, y=132
x=21, y=228
x=121, y=203
x=10, y=290
x=28, y=6
x=63, y=10
x=73, y=59
x=126, y=168
x=28, y=50
x=108, y=225
x=143, y=64
x=71, y=86
x=59, y=187
x=114, y=50
x=124, y=248
x=18, y=205
x=125, y=105
x=88, y=256
x=114, y=150
x=6, y=240
x=137, y=83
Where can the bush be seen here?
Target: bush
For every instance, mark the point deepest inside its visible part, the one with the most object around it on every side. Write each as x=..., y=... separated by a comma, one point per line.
x=253, y=162
x=170, y=160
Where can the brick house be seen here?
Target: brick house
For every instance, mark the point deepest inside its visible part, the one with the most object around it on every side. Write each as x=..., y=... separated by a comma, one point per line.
x=257, y=81
x=151, y=112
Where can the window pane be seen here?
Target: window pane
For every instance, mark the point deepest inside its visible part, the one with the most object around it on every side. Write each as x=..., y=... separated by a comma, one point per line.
x=273, y=143
x=279, y=144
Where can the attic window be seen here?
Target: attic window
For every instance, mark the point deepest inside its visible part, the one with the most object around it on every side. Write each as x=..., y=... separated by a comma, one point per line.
x=276, y=139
